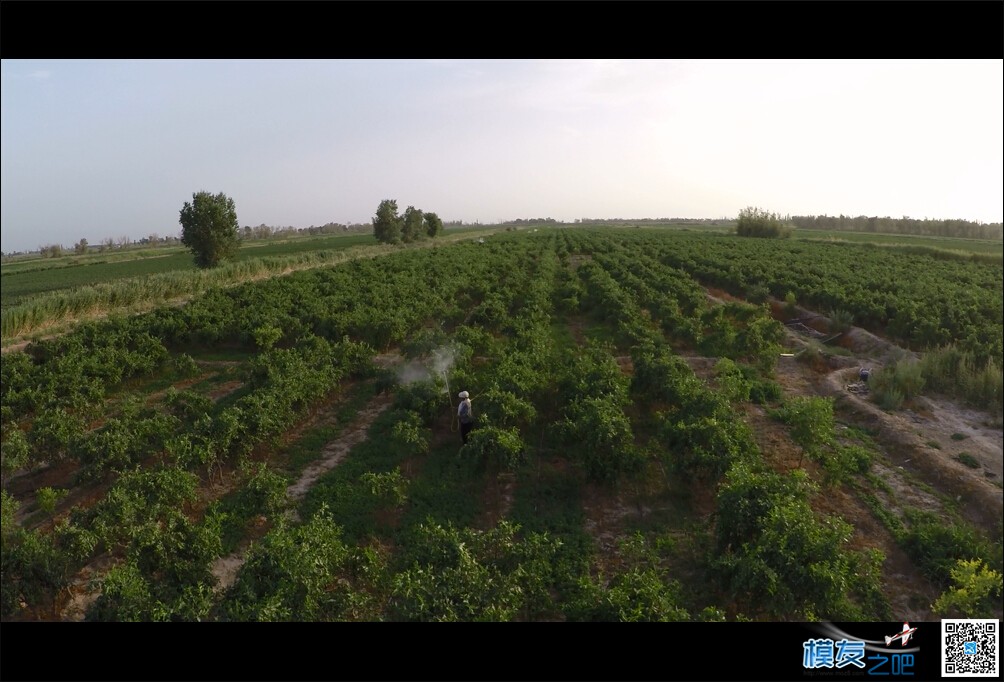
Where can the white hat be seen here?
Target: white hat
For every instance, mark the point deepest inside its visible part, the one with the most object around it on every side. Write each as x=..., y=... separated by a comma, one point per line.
x=463, y=394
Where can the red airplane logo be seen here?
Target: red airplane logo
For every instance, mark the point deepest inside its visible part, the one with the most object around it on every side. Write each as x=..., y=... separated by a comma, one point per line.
x=903, y=636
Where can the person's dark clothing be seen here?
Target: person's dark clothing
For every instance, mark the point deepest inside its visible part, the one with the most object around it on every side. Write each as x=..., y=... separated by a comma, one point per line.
x=466, y=418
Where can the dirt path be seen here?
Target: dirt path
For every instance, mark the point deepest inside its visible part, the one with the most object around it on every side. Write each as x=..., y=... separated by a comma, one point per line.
x=82, y=596
x=334, y=452
x=498, y=498
x=922, y=443
x=226, y=568
x=930, y=439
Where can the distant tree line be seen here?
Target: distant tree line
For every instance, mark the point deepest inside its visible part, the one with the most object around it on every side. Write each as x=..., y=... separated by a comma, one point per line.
x=530, y=221
x=655, y=221
x=247, y=232
x=107, y=244
x=264, y=231
x=966, y=229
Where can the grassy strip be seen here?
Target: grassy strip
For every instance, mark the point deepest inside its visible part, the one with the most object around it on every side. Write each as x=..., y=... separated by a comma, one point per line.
x=136, y=294
x=21, y=285
x=20, y=265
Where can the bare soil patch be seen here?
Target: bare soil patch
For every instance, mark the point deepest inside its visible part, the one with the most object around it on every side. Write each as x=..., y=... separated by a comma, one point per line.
x=223, y=390
x=499, y=498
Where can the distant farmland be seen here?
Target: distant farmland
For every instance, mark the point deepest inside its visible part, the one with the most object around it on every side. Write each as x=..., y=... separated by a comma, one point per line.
x=672, y=425
x=24, y=279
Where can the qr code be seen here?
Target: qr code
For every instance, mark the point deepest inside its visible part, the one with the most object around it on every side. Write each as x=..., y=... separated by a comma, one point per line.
x=970, y=648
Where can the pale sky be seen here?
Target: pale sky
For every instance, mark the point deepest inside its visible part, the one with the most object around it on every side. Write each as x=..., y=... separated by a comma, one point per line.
x=110, y=148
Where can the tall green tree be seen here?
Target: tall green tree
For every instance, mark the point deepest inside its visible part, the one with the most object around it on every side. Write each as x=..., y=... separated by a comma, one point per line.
x=433, y=224
x=387, y=223
x=209, y=228
x=413, y=226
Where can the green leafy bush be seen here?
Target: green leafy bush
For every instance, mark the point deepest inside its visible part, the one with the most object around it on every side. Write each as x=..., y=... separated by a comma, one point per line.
x=810, y=420
x=266, y=336
x=465, y=575
x=765, y=391
x=776, y=556
x=758, y=293
x=498, y=407
x=264, y=490
x=185, y=365
x=602, y=437
x=48, y=498
x=390, y=487
x=641, y=590
x=705, y=447
x=732, y=381
x=499, y=447
x=307, y=573
x=14, y=452
x=935, y=544
x=888, y=398
x=756, y=222
x=975, y=591
x=790, y=301
x=962, y=373
x=427, y=399
x=187, y=405
x=407, y=433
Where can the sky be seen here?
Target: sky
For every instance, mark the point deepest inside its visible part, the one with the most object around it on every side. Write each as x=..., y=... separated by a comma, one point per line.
x=110, y=148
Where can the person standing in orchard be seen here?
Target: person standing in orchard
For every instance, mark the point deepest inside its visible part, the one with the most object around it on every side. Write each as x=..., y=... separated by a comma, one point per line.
x=465, y=415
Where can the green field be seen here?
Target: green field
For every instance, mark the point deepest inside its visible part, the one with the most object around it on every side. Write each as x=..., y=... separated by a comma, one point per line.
x=647, y=446
x=23, y=279
x=944, y=243
x=958, y=245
